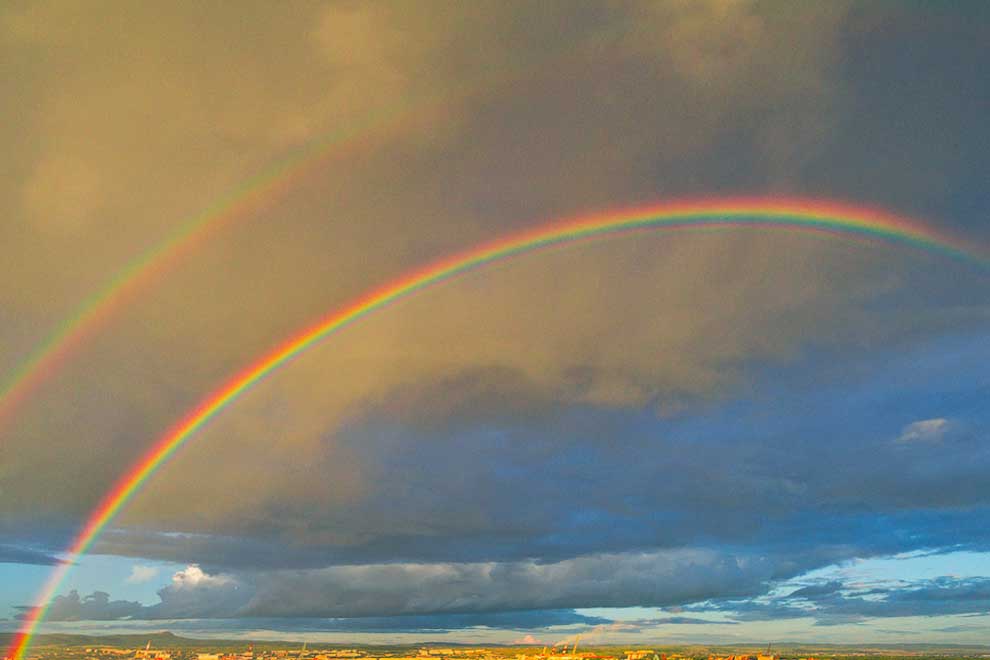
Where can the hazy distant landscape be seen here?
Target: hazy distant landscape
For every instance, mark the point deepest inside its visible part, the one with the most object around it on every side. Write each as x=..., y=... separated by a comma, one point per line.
x=69, y=646
x=169, y=641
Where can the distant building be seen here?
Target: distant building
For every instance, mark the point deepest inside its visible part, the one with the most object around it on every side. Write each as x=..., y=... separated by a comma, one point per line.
x=640, y=654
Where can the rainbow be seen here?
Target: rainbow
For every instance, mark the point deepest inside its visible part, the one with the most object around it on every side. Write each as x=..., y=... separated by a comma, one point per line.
x=254, y=194
x=71, y=333
x=771, y=213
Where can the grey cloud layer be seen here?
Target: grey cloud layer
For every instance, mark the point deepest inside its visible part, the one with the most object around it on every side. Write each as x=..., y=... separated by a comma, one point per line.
x=657, y=578
x=834, y=603
x=425, y=597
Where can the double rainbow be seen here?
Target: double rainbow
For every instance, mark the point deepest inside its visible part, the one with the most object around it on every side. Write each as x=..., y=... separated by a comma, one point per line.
x=794, y=214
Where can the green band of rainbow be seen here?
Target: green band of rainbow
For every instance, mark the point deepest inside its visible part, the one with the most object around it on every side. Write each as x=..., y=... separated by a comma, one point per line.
x=773, y=213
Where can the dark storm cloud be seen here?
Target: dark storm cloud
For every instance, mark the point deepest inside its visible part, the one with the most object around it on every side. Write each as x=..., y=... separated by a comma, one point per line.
x=922, y=68
x=669, y=98
x=733, y=485
x=790, y=484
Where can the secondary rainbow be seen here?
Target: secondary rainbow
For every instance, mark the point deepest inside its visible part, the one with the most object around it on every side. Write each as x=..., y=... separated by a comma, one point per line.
x=796, y=214
x=251, y=195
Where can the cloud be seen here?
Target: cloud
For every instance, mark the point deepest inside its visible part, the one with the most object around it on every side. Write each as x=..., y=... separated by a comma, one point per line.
x=423, y=543
x=140, y=574
x=192, y=577
x=20, y=555
x=170, y=88
x=657, y=578
x=685, y=620
x=961, y=628
x=937, y=596
x=778, y=500
x=816, y=591
x=96, y=606
x=529, y=620
x=926, y=430
x=932, y=597
x=190, y=593
x=194, y=593
x=501, y=592
x=781, y=479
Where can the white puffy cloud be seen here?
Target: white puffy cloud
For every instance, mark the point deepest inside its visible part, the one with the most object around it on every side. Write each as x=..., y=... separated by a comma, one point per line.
x=925, y=430
x=193, y=577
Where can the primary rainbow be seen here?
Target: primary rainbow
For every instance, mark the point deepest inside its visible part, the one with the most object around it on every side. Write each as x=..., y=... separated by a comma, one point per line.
x=784, y=213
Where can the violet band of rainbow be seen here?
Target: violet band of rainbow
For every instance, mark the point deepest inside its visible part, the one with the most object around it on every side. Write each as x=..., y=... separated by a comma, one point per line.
x=789, y=214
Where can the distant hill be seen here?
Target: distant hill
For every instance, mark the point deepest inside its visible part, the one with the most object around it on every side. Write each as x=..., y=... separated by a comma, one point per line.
x=169, y=640
x=160, y=640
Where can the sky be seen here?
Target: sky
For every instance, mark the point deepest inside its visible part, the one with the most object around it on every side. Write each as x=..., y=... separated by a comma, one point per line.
x=720, y=436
